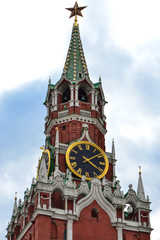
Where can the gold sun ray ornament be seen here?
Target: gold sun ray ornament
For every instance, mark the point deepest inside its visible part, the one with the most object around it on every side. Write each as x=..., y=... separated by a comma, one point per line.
x=76, y=10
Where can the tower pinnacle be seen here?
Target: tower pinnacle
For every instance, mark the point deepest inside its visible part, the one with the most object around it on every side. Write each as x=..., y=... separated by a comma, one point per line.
x=140, y=188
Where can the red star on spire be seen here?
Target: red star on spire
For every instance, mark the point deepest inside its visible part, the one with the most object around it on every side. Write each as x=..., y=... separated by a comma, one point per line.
x=76, y=10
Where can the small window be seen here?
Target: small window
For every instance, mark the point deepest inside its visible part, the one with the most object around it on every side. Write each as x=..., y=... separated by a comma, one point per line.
x=80, y=74
x=94, y=213
x=64, y=127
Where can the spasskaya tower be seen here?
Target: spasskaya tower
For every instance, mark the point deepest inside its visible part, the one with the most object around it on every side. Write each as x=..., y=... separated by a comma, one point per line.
x=76, y=194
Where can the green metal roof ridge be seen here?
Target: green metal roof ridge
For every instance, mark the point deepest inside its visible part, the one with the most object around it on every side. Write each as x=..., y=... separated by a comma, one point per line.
x=97, y=84
x=52, y=86
x=75, y=65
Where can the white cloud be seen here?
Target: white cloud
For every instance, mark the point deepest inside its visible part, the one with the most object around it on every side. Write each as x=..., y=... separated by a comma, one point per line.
x=155, y=216
x=134, y=22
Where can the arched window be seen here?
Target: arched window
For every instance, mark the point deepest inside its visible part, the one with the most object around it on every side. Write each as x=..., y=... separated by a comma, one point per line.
x=53, y=230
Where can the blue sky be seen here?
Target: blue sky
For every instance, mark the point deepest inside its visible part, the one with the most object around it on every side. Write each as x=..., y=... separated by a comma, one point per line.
x=121, y=43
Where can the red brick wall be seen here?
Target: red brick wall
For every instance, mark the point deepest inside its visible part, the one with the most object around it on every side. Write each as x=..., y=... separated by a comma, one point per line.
x=132, y=235
x=42, y=227
x=92, y=228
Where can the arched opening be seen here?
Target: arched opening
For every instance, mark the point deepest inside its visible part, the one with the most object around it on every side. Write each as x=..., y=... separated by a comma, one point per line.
x=66, y=96
x=82, y=95
x=130, y=213
x=56, y=200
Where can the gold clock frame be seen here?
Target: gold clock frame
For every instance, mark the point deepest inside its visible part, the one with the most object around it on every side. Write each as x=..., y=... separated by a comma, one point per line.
x=94, y=145
x=49, y=155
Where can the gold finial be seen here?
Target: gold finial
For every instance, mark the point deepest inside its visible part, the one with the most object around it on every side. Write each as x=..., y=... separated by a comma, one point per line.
x=15, y=196
x=139, y=169
x=42, y=147
x=76, y=10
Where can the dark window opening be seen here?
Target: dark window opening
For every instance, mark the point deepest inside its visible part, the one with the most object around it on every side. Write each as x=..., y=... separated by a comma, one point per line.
x=94, y=213
x=64, y=127
x=65, y=234
x=66, y=96
x=80, y=75
x=82, y=95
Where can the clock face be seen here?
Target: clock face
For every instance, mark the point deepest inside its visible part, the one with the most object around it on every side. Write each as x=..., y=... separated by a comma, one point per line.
x=87, y=159
x=47, y=158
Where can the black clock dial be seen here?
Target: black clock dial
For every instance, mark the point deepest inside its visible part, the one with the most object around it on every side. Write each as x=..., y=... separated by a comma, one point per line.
x=87, y=159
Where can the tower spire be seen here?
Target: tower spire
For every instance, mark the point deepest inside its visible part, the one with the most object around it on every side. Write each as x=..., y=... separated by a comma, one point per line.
x=140, y=188
x=15, y=205
x=75, y=67
x=113, y=150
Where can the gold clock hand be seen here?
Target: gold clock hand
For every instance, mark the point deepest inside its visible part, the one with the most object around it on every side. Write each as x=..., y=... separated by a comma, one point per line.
x=88, y=159
x=99, y=169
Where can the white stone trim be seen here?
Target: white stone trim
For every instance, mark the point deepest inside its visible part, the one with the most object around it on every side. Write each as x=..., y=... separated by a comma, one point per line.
x=85, y=113
x=97, y=195
x=63, y=113
x=76, y=117
x=119, y=233
x=69, y=229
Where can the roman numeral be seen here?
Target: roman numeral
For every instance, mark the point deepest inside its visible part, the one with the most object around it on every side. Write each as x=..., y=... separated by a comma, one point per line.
x=87, y=146
x=74, y=151
x=87, y=174
x=94, y=150
x=74, y=164
x=95, y=174
x=80, y=147
x=72, y=158
x=102, y=163
x=79, y=171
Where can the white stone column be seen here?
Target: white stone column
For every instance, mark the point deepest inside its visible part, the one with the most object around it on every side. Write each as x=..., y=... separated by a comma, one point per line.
x=39, y=204
x=49, y=200
x=66, y=205
x=119, y=233
x=102, y=104
x=139, y=216
x=57, y=151
x=96, y=100
x=47, y=116
x=92, y=100
x=76, y=95
x=53, y=99
x=56, y=161
x=114, y=171
x=74, y=206
x=69, y=229
x=123, y=214
x=72, y=95
x=149, y=223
